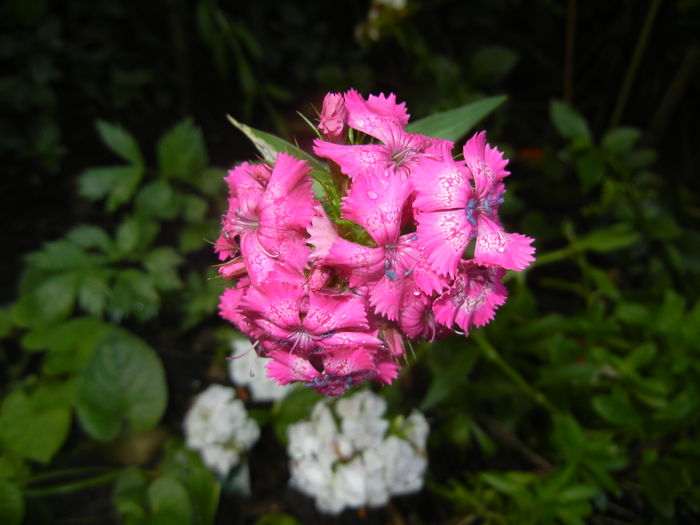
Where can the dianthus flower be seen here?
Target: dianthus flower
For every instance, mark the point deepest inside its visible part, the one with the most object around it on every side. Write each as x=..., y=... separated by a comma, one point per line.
x=400, y=241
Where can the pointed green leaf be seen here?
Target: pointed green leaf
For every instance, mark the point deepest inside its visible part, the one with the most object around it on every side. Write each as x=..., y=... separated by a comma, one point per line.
x=170, y=503
x=568, y=121
x=120, y=142
x=182, y=153
x=455, y=123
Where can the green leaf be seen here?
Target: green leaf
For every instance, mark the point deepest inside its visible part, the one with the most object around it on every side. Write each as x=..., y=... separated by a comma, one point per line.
x=116, y=183
x=94, y=292
x=620, y=139
x=32, y=427
x=590, y=168
x=5, y=322
x=162, y=263
x=455, y=123
x=89, y=236
x=157, y=200
x=618, y=409
x=182, y=153
x=60, y=255
x=170, y=503
x=294, y=407
x=120, y=142
x=269, y=146
x=608, y=239
x=11, y=503
x=491, y=64
x=194, y=207
x=202, y=486
x=568, y=121
x=135, y=234
x=55, y=297
x=211, y=182
x=134, y=291
x=123, y=380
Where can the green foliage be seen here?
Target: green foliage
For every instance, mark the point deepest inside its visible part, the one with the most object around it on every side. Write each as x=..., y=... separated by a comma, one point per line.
x=123, y=379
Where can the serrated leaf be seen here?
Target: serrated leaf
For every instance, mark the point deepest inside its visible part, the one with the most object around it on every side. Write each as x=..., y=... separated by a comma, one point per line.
x=116, y=183
x=55, y=297
x=157, y=200
x=162, y=264
x=94, y=292
x=90, y=236
x=120, y=142
x=182, y=153
x=124, y=380
x=135, y=234
x=32, y=428
x=455, y=123
x=134, y=292
x=569, y=122
x=11, y=503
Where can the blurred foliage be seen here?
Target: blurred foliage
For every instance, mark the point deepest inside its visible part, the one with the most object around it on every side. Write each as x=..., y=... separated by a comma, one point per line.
x=579, y=403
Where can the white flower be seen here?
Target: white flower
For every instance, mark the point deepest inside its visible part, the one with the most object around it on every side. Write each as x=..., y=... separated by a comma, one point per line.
x=348, y=461
x=248, y=369
x=217, y=425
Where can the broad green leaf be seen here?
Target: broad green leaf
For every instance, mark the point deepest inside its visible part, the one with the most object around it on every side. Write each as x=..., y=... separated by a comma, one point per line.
x=120, y=142
x=211, y=181
x=491, y=64
x=170, y=503
x=620, y=139
x=194, y=208
x=123, y=380
x=11, y=503
x=182, y=153
x=455, y=123
x=569, y=122
x=32, y=427
x=195, y=236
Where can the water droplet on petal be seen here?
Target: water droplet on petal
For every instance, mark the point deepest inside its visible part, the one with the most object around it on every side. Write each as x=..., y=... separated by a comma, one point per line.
x=372, y=195
x=416, y=293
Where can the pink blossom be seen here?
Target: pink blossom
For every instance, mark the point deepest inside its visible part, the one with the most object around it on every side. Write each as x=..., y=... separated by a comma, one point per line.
x=333, y=115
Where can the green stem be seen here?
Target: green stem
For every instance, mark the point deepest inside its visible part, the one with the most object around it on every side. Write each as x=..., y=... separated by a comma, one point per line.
x=67, y=473
x=65, y=488
x=492, y=355
x=631, y=72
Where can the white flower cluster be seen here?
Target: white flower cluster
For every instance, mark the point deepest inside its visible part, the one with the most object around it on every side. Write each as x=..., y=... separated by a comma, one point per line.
x=248, y=370
x=349, y=461
x=218, y=426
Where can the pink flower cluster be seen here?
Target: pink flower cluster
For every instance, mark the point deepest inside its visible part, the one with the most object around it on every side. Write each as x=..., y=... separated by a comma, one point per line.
x=418, y=248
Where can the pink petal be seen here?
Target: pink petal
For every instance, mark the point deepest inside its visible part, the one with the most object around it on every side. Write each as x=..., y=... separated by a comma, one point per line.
x=333, y=115
x=495, y=247
x=348, y=361
x=288, y=198
x=322, y=233
x=376, y=204
x=444, y=235
x=485, y=163
x=288, y=368
x=277, y=302
x=375, y=115
x=354, y=160
x=361, y=263
x=329, y=312
x=440, y=183
x=385, y=296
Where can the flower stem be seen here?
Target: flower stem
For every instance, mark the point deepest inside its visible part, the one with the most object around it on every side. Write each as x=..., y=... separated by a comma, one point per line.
x=492, y=355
